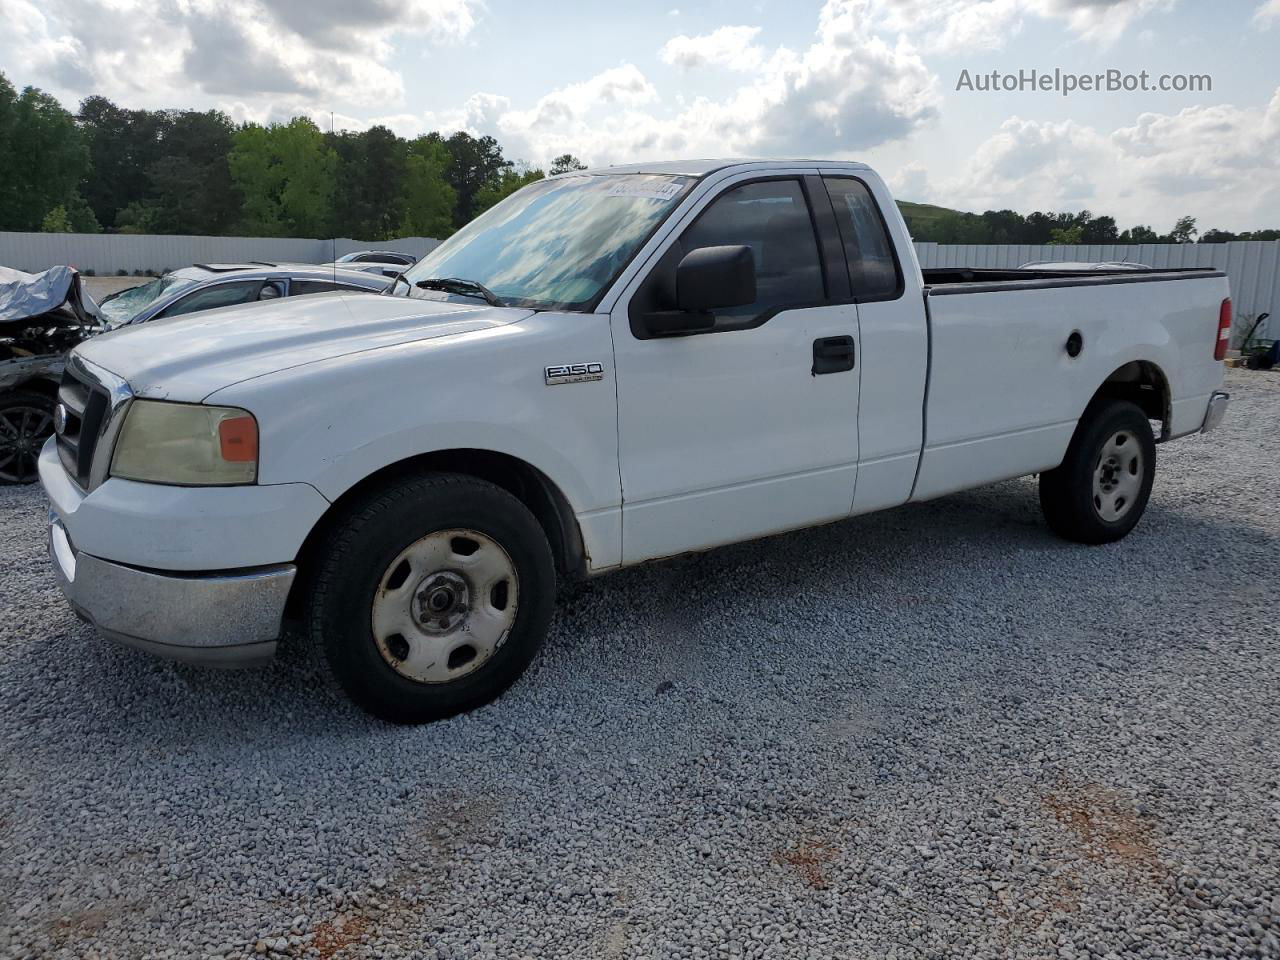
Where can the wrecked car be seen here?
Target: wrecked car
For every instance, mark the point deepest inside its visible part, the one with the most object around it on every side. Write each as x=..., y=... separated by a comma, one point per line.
x=42, y=316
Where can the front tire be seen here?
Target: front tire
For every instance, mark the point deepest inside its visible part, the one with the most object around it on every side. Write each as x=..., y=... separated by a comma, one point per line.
x=432, y=596
x=1100, y=491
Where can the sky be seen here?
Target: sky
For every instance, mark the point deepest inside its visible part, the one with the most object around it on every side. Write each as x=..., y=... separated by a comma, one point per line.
x=882, y=81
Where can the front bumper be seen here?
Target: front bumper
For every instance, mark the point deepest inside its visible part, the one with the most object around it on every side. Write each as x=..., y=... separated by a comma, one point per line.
x=1216, y=410
x=219, y=619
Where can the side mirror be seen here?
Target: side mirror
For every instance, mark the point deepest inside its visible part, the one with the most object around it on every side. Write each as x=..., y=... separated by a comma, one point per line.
x=706, y=279
x=713, y=277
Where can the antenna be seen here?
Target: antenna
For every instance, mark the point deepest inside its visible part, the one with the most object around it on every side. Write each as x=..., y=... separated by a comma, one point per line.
x=333, y=239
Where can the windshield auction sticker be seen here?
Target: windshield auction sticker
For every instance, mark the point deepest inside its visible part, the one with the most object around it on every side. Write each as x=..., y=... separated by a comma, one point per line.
x=646, y=190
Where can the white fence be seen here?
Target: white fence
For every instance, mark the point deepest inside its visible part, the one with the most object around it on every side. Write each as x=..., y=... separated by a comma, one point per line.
x=107, y=254
x=1253, y=266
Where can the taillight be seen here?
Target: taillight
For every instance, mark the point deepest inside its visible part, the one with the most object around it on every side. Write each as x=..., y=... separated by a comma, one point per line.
x=1224, y=330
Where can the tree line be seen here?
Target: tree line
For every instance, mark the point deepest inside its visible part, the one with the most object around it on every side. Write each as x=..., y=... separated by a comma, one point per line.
x=108, y=168
x=1008, y=226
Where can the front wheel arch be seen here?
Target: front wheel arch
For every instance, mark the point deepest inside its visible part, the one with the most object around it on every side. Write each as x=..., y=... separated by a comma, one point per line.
x=525, y=482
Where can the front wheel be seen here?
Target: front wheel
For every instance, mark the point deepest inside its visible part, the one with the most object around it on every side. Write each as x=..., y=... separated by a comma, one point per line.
x=1100, y=491
x=432, y=597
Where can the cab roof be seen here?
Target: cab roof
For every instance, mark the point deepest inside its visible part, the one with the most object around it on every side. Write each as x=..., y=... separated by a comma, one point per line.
x=700, y=168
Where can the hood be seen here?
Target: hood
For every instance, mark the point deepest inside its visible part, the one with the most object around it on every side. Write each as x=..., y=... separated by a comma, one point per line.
x=189, y=357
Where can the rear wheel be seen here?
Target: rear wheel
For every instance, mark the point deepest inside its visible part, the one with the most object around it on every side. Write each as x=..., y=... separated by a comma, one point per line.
x=1101, y=489
x=26, y=422
x=432, y=597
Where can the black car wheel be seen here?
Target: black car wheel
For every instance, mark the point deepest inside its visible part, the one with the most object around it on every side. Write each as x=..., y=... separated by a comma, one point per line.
x=26, y=422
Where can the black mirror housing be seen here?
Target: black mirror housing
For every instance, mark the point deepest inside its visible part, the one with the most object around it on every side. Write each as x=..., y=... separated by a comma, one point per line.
x=716, y=277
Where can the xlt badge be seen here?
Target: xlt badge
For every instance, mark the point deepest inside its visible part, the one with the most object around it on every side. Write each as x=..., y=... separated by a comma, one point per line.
x=574, y=373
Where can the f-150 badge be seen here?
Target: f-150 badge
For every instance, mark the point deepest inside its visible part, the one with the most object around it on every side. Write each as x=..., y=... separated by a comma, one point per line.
x=574, y=373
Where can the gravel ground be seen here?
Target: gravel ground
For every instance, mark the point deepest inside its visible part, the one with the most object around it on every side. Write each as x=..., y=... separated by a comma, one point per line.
x=933, y=732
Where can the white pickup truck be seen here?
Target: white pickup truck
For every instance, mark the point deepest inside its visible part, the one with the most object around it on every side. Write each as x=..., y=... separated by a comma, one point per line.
x=609, y=367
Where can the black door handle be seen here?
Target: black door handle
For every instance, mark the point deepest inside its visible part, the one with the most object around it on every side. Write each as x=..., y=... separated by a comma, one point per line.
x=832, y=355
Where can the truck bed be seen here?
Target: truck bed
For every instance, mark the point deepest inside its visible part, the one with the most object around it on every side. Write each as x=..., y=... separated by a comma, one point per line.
x=1005, y=393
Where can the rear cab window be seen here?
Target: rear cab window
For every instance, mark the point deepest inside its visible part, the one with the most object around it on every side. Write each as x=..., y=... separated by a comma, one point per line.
x=873, y=266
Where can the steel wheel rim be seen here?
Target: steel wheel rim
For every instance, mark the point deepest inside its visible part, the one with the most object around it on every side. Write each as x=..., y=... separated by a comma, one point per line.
x=1117, y=476
x=445, y=605
x=23, y=431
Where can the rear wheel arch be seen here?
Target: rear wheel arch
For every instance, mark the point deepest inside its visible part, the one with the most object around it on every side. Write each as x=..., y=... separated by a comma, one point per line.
x=1142, y=383
x=525, y=482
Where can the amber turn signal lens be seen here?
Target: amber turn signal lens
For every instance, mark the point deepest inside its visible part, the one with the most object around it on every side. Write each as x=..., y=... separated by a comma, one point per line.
x=238, y=440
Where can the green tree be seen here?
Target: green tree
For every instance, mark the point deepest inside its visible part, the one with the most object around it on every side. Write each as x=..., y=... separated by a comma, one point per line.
x=503, y=185
x=427, y=200
x=370, y=182
x=258, y=176
x=1065, y=236
x=1184, y=231
x=1099, y=230
x=566, y=163
x=1139, y=234
x=191, y=183
x=309, y=181
x=56, y=221
x=123, y=146
x=473, y=164
x=141, y=216
x=42, y=157
x=287, y=177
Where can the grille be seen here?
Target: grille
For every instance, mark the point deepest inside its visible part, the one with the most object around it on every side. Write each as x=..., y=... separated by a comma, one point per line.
x=87, y=404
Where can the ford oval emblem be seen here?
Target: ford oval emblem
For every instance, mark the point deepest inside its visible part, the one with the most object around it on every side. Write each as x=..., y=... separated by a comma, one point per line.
x=59, y=419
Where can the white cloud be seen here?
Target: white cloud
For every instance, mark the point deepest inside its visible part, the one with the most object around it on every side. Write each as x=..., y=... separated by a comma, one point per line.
x=1162, y=162
x=846, y=91
x=732, y=47
x=286, y=52
x=1267, y=13
x=961, y=26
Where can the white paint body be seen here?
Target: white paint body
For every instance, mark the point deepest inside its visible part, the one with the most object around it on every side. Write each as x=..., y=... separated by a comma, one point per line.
x=686, y=443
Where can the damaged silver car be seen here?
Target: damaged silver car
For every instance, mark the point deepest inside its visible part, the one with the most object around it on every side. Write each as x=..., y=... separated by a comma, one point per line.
x=42, y=316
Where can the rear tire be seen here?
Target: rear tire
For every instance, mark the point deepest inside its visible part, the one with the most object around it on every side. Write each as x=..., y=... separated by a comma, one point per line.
x=432, y=595
x=1100, y=491
x=26, y=421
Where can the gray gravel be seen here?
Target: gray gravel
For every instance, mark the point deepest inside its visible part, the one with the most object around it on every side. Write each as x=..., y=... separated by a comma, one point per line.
x=933, y=732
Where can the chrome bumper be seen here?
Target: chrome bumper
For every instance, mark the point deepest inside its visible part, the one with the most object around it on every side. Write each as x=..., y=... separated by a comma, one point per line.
x=220, y=619
x=1217, y=409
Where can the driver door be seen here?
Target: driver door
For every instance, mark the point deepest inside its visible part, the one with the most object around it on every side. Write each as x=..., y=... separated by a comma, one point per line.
x=750, y=427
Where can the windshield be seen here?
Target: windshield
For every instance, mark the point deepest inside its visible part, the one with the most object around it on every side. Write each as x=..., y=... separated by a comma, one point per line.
x=127, y=304
x=556, y=244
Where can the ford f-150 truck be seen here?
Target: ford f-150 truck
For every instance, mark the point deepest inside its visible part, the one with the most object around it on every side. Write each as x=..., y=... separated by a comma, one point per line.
x=609, y=367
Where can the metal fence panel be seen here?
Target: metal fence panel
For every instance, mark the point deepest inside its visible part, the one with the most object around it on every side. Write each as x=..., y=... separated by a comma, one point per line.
x=107, y=254
x=1251, y=264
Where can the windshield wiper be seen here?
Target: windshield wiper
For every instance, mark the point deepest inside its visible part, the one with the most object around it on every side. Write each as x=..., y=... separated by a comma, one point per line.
x=461, y=288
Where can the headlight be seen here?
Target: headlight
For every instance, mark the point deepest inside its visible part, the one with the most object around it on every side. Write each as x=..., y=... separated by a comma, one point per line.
x=186, y=444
